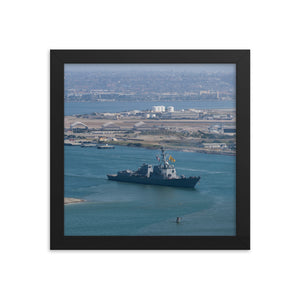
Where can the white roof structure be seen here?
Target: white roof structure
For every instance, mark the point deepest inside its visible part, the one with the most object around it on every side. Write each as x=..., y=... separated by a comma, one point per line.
x=107, y=124
x=139, y=124
x=76, y=124
x=110, y=125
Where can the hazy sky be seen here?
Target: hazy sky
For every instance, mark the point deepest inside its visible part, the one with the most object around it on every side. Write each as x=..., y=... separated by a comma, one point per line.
x=197, y=68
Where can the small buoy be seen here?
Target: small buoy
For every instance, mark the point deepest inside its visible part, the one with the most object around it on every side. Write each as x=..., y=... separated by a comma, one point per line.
x=178, y=220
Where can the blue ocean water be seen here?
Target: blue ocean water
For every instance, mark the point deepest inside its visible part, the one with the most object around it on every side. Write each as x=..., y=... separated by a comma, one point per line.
x=72, y=108
x=116, y=208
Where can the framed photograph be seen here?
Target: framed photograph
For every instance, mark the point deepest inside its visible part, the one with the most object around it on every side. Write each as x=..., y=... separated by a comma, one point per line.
x=150, y=149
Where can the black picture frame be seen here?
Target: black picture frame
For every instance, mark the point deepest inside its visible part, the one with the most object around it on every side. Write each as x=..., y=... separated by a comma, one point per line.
x=60, y=57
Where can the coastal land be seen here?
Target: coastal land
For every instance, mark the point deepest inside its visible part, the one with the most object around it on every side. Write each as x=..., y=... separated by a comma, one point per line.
x=72, y=200
x=209, y=131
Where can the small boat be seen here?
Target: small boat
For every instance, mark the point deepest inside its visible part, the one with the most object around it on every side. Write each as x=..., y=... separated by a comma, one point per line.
x=178, y=220
x=83, y=145
x=106, y=146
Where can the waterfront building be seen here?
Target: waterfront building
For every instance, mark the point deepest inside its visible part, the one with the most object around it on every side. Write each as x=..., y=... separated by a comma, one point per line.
x=214, y=145
x=79, y=127
x=160, y=108
x=110, y=116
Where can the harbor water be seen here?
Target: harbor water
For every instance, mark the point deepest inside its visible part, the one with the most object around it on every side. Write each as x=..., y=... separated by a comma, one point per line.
x=117, y=208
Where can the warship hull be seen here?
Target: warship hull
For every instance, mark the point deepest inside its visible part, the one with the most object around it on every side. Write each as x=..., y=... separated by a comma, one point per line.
x=189, y=182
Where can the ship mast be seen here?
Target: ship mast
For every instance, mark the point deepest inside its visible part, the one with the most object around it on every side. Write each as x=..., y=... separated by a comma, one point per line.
x=163, y=155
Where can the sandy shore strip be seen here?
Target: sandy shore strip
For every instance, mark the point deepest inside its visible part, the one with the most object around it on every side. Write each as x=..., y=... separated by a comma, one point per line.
x=72, y=200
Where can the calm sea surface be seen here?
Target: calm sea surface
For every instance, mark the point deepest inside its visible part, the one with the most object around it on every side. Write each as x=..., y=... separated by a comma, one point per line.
x=115, y=208
x=73, y=108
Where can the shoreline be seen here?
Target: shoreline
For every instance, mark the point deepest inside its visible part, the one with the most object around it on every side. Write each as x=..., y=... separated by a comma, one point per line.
x=68, y=200
x=155, y=147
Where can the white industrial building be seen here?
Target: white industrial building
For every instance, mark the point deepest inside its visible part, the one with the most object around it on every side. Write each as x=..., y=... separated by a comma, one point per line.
x=159, y=108
x=170, y=108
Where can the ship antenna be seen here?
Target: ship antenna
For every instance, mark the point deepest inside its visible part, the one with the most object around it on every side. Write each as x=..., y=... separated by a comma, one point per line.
x=163, y=155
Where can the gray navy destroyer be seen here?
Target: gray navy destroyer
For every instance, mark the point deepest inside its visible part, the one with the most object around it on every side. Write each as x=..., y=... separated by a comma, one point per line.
x=162, y=174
